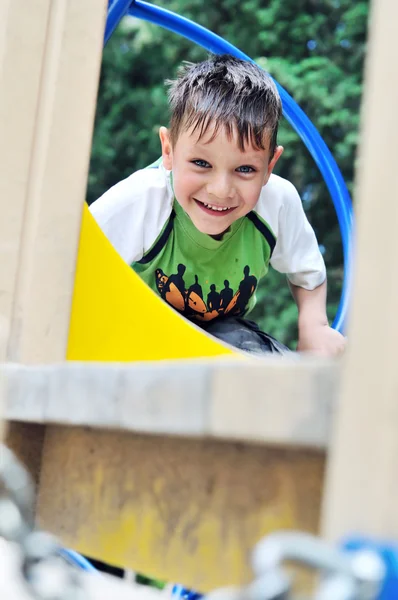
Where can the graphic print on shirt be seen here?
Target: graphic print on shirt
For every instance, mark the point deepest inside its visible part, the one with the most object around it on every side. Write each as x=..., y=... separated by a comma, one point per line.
x=190, y=300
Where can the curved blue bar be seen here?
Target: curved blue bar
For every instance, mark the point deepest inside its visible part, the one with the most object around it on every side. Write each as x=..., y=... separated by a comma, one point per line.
x=116, y=10
x=77, y=560
x=293, y=113
x=180, y=593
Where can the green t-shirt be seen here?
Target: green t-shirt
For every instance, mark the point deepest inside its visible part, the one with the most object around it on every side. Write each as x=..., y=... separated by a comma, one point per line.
x=202, y=277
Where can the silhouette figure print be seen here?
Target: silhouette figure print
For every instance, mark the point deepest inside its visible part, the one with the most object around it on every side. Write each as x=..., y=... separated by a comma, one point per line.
x=213, y=299
x=246, y=289
x=174, y=289
x=226, y=295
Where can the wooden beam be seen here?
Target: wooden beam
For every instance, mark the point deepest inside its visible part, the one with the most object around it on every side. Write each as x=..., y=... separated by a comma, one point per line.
x=22, y=51
x=183, y=505
x=184, y=510
x=362, y=483
x=276, y=401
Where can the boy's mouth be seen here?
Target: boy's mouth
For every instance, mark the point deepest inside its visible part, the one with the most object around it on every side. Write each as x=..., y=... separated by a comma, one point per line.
x=214, y=210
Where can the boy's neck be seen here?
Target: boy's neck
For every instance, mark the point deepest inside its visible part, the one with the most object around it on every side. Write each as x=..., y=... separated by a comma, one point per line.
x=219, y=236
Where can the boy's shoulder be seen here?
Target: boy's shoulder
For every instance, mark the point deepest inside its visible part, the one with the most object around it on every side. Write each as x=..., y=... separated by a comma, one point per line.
x=145, y=184
x=279, y=189
x=133, y=212
x=276, y=200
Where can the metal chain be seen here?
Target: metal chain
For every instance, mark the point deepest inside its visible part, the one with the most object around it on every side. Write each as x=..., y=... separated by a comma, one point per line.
x=342, y=575
x=46, y=575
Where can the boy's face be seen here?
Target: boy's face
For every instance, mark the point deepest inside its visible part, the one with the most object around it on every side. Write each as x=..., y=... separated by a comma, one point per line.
x=216, y=182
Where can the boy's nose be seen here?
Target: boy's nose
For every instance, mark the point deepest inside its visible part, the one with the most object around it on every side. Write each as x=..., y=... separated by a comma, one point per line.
x=220, y=188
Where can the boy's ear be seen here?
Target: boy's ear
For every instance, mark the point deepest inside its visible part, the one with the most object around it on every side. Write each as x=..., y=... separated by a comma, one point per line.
x=167, y=152
x=271, y=165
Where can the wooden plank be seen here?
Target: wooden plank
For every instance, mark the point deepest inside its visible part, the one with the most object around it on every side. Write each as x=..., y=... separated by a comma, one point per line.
x=22, y=48
x=21, y=57
x=58, y=169
x=49, y=67
x=26, y=441
x=362, y=484
x=275, y=401
x=2, y=394
x=282, y=401
x=183, y=510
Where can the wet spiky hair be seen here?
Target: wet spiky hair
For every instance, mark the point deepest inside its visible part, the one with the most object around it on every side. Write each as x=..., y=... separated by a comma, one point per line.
x=225, y=91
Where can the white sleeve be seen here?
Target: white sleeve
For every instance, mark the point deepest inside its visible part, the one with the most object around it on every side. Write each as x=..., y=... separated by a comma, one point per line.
x=296, y=252
x=133, y=212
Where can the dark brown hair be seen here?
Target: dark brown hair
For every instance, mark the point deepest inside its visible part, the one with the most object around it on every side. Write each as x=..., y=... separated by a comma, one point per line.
x=229, y=92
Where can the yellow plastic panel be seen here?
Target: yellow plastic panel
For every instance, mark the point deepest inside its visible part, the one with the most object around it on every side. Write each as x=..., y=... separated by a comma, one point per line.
x=117, y=317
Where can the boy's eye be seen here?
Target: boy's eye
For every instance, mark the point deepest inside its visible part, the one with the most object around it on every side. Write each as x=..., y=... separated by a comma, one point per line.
x=245, y=169
x=201, y=163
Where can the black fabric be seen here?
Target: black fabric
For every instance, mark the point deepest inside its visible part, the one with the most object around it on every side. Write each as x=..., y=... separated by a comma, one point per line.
x=263, y=229
x=160, y=244
x=245, y=335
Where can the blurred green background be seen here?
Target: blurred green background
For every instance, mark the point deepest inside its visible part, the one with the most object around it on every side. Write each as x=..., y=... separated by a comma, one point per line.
x=314, y=48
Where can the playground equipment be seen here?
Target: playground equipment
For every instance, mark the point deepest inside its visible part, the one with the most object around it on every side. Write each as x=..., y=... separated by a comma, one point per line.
x=42, y=572
x=103, y=276
x=177, y=468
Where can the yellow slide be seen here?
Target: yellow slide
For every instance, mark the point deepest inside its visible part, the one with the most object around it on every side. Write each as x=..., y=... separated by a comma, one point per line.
x=117, y=317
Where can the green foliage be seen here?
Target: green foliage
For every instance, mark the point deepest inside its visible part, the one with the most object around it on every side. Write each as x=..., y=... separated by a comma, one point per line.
x=314, y=48
x=144, y=580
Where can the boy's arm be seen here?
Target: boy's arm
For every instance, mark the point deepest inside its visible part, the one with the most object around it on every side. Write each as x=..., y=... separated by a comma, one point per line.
x=297, y=255
x=315, y=335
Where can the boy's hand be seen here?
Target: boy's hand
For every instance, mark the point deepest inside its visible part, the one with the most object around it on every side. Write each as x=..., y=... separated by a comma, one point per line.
x=321, y=340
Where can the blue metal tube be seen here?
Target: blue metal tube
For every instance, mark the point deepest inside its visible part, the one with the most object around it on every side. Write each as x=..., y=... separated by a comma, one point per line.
x=117, y=9
x=77, y=560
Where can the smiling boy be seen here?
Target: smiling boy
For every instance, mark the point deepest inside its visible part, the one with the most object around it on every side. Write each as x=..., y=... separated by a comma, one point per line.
x=202, y=228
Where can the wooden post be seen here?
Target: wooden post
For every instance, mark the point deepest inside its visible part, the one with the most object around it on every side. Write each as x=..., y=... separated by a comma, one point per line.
x=362, y=483
x=50, y=59
x=49, y=72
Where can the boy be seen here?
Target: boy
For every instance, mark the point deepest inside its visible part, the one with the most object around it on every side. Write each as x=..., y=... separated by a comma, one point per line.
x=203, y=227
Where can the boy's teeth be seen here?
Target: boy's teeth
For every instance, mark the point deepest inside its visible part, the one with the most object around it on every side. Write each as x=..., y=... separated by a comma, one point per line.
x=216, y=207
